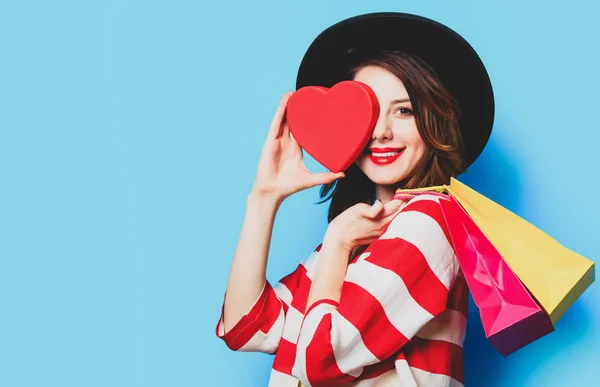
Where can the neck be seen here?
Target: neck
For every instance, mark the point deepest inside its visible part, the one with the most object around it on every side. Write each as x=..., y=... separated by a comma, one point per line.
x=384, y=192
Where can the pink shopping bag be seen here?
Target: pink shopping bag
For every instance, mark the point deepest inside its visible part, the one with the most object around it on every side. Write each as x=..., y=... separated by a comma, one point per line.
x=510, y=316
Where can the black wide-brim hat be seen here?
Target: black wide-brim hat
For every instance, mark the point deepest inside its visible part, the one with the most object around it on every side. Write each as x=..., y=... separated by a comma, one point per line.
x=456, y=63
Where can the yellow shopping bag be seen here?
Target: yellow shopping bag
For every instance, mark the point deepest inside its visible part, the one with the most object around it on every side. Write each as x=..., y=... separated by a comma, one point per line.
x=553, y=274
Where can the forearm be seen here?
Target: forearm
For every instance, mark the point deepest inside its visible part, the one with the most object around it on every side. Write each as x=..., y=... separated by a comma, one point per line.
x=248, y=270
x=330, y=272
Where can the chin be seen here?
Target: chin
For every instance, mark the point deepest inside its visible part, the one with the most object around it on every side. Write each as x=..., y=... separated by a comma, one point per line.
x=385, y=181
x=383, y=174
x=384, y=177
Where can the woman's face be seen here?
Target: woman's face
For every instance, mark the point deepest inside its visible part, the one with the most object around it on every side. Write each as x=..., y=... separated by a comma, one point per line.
x=396, y=146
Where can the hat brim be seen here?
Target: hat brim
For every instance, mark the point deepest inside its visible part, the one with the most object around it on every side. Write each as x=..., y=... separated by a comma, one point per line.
x=458, y=66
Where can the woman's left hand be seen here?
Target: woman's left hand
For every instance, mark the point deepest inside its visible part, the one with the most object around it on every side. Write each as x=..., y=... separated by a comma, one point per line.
x=361, y=224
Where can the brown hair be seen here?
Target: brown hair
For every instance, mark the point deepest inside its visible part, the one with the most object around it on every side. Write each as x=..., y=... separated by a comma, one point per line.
x=436, y=114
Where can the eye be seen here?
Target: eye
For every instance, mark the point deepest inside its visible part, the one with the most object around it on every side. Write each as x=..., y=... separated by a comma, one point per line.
x=403, y=111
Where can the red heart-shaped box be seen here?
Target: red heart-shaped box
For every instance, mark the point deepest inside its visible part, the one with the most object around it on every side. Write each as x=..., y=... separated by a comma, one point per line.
x=334, y=124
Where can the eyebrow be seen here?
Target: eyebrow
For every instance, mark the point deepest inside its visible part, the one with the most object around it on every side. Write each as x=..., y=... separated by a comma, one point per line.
x=400, y=100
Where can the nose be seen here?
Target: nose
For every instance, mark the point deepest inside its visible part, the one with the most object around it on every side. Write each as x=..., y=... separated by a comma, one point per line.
x=382, y=130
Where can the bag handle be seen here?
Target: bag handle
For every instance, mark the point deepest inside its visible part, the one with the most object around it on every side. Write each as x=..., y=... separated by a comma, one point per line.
x=407, y=194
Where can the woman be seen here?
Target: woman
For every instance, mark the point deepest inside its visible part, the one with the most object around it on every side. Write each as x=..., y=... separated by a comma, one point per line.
x=381, y=302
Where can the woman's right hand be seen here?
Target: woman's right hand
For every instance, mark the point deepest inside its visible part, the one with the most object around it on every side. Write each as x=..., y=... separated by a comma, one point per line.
x=281, y=170
x=361, y=224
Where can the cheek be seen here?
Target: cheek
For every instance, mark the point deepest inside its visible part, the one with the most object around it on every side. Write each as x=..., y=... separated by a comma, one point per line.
x=409, y=135
x=414, y=140
x=419, y=145
x=361, y=160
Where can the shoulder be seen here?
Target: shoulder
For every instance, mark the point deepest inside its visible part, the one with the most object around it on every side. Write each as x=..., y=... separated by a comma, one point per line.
x=423, y=214
x=420, y=227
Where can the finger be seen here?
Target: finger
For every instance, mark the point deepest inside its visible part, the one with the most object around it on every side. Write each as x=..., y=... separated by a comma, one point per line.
x=297, y=146
x=388, y=211
x=375, y=210
x=393, y=206
x=285, y=130
x=292, y=138
x=276, y=127
x=315, y=179
x=389, y=214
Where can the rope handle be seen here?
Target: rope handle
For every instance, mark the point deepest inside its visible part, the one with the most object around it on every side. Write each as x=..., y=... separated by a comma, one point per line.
x=408, y=194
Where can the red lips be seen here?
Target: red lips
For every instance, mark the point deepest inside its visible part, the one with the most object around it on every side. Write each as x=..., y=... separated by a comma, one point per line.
x=384, y=156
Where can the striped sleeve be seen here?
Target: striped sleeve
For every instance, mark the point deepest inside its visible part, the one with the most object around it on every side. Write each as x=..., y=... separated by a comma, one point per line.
x=261, y=329
x=399, y=284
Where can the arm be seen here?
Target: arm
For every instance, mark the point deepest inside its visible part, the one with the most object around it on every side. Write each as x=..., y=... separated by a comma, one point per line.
x=247, y=277
x=253, y=315
x=358, y=225
x=260, y=328
x=398, y=285
x=330, y=272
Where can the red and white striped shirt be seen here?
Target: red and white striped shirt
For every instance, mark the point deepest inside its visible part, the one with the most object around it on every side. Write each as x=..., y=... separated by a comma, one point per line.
x=400, y=321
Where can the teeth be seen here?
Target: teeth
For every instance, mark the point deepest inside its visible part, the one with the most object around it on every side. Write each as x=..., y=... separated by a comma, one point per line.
x=386, y=154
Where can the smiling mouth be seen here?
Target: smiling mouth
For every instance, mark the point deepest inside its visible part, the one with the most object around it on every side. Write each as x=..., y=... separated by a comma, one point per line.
x=385, y=156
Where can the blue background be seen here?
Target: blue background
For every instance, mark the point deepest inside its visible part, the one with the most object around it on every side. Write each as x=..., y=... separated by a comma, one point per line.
x=129, y=137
